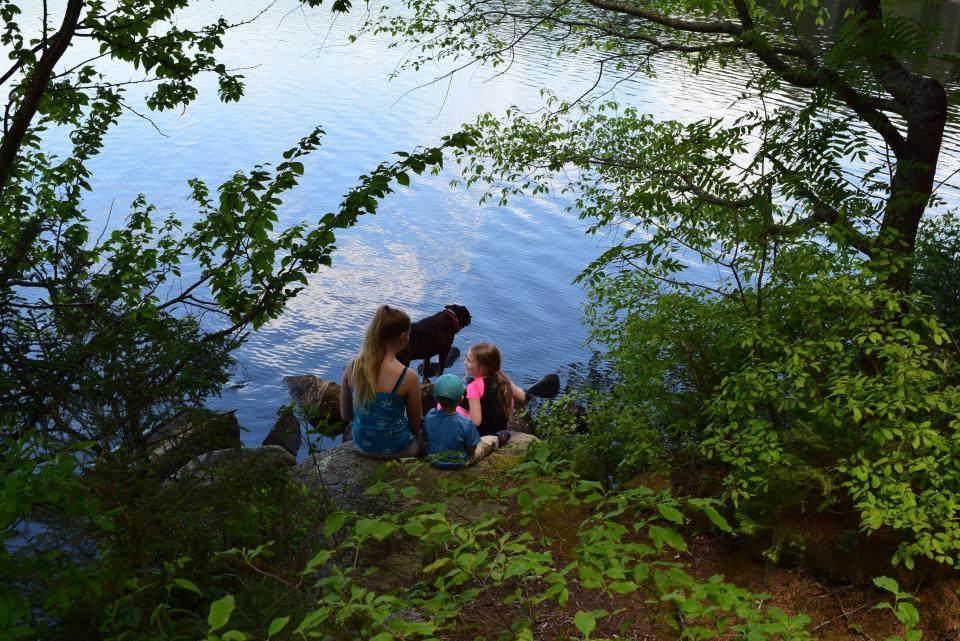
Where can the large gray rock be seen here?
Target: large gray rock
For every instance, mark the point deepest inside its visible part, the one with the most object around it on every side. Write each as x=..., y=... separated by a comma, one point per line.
x=285, y=433
x=319, y=400
x=189, y=434
x=344, y=475
x=207, y=467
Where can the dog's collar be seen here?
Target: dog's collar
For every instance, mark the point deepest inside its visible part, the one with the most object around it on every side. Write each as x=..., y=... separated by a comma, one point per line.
x=456, y=321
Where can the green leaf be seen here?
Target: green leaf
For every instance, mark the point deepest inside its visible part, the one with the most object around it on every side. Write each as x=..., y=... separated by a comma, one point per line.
x=585, y=622
x=220, y=612
x=436, y=565
x=333, y=523
x=545, y=490
x=716, y=518
x=666, y=536
x=319, y=559
x=187, y=584
x=523, y=500
x=276, y=625
x=907, y=614
x=623, y=587
x=670, y=513
x=414, y=528
x=886, y=583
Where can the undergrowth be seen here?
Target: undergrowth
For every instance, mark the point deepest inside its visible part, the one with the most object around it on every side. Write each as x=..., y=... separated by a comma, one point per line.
x=625, y=549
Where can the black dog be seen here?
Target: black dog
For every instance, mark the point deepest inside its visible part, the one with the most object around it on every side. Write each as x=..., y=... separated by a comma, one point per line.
x=434, y=336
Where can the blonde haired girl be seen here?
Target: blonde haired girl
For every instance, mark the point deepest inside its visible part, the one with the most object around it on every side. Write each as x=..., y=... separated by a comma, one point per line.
x=490, y=396
x=379, y=395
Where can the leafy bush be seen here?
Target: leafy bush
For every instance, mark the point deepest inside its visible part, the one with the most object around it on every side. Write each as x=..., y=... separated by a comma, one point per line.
x=937, y=267
x=823, y=386
x=670, y=350
x=624, y=562
x=867, y=401
x=606, y=438
x=116, y=553
x=42, y=573
x=175, y=537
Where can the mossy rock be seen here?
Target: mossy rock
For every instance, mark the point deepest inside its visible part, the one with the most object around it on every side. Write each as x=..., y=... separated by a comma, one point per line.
x=190, y=434
x=342, y=476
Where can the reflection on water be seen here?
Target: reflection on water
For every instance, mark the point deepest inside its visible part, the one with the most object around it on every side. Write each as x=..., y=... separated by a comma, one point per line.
x=429, y=244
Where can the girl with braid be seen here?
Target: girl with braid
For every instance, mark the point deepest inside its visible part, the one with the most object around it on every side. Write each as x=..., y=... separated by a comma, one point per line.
x=490, y=395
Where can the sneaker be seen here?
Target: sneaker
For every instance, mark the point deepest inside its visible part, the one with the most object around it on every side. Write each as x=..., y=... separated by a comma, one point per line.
x=502, y=437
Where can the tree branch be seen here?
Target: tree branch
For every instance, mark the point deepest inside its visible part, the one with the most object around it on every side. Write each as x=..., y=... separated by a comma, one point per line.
x=728, y=27
x=822, y=214
x=38, y=83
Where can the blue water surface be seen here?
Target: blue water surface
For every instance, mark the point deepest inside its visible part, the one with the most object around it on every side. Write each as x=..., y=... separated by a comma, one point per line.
x=429, y=244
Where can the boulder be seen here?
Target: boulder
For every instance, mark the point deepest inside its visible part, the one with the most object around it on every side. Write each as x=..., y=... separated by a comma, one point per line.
x=206, y=467
x=344, y=475
x=189, y=434
x=319, y=400
x=285, y=433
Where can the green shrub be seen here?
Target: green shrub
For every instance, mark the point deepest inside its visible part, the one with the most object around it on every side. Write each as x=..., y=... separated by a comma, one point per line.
x=823, y=386
x=604, y=436
x=937, y=267
x=865, y=402
x=117, y=553
x=43, y=571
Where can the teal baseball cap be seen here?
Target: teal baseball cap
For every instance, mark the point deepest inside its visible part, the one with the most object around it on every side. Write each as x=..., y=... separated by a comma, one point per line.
x=448, y=389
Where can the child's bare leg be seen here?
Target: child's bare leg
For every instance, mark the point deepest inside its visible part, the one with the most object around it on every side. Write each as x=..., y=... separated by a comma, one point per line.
x=486, y=445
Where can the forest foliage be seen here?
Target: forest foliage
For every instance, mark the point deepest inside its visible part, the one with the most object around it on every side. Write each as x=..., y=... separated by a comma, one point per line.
x=820, y=371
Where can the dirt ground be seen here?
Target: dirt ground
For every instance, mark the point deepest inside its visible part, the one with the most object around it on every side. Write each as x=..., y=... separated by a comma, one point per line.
x=839, y=610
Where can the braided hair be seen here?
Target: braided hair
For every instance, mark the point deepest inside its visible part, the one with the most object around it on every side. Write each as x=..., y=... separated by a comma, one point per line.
x=488, y=357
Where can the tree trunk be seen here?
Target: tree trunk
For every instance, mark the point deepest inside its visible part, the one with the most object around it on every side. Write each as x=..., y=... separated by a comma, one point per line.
x=912, y=183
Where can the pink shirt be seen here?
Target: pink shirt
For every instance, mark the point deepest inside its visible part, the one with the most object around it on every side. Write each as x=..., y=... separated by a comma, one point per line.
x=474, y=390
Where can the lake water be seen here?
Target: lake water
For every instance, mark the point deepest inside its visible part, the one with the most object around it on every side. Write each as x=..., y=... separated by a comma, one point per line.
x=430, y=244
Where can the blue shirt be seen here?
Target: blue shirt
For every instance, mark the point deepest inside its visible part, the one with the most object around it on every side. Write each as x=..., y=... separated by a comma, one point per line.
x=450, y=433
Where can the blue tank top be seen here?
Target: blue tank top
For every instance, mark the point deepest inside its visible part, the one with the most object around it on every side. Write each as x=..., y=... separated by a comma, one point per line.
x=382, y=427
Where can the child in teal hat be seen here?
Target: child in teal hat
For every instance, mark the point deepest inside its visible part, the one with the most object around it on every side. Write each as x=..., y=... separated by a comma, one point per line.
x=450, y=435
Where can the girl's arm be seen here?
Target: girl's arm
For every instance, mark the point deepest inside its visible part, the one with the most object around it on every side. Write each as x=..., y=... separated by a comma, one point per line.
x=518, y=394
x=346, y=406
x=411, y=388
x=474, y=393
x=476, y=414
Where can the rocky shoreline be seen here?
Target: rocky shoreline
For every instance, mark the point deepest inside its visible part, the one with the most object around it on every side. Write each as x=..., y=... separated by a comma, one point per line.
x=197, y=443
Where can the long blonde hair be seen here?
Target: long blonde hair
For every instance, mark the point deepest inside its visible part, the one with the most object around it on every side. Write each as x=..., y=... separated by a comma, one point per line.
x=488, y=357
x=386, y=327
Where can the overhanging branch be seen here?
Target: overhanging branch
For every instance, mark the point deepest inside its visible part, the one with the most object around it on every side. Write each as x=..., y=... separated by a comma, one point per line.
x=38, y=84
x=728, y=27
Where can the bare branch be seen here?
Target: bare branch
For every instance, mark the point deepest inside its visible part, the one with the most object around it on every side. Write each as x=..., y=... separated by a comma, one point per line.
x=728, y=27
